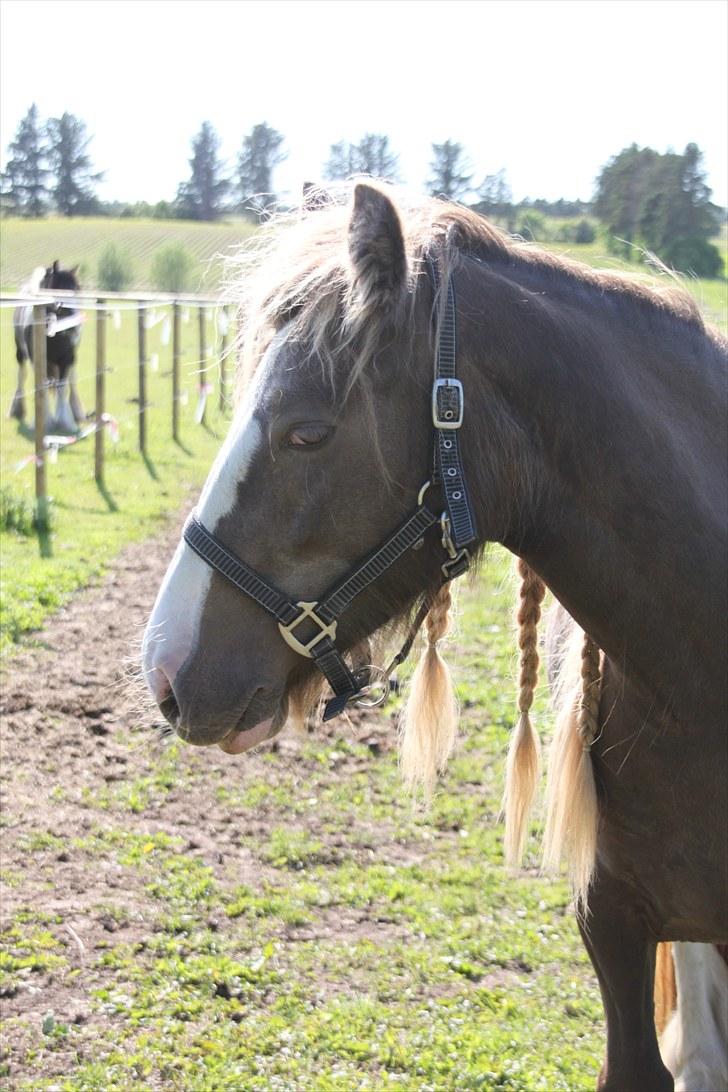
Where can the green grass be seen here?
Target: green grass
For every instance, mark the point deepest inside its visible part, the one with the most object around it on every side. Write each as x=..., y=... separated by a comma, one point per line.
x=88, y=524
x=372, y=946
x=30, y=243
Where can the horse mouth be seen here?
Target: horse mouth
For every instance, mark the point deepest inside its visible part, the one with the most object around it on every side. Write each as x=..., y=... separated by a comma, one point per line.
x=252, y=726
x=240, y=740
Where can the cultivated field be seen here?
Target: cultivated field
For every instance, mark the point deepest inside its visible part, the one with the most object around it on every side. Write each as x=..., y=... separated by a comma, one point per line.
x=30, y=243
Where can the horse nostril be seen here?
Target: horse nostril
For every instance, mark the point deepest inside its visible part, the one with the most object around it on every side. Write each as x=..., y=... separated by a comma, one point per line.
x=170, y=709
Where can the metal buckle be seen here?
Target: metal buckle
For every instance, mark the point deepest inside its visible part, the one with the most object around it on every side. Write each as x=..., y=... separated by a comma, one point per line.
x=452, y=416
x=308, y=610
x=457, y=565
x=459, y=560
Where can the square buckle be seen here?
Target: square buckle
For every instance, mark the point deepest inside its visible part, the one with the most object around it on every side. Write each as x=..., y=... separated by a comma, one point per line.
x=303, y=648
x=448, y=403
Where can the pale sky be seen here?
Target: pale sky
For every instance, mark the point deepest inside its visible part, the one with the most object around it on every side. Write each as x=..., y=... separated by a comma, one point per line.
x=548, y=90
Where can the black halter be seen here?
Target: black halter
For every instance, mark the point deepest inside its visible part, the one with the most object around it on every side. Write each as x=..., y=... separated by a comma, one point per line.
x=317, y=638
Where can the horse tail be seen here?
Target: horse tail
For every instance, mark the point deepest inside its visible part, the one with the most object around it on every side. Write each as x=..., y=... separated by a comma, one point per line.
x=572, y=811
x=429, y=720
x=524, y=754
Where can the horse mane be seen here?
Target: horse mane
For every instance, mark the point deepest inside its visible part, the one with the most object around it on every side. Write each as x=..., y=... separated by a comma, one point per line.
x=297, y=270
x=303, y=277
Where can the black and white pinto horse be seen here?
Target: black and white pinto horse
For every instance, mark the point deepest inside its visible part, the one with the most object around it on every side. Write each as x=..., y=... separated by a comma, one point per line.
x=63, y=334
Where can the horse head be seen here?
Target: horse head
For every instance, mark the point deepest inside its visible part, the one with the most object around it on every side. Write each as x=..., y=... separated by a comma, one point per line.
x=326, y=454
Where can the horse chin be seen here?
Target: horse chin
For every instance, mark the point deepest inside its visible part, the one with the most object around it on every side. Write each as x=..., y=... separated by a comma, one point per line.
x=239, y=741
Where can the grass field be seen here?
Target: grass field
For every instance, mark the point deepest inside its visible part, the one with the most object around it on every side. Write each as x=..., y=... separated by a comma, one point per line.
x=30, y=243
x=90, y=525
x=287, y=920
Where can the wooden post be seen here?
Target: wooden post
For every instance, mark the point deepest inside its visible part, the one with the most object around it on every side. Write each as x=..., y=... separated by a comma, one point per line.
x=223, y=361
x=142, y=327
x=41, y=407
x=202, y=355
x=176, y=355
x=100, y=392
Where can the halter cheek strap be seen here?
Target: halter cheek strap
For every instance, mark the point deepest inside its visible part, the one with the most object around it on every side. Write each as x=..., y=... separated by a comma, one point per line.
x=309, y=628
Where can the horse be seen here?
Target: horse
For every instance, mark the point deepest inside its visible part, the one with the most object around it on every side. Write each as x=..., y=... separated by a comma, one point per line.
x=63, y=334
x=416, y=386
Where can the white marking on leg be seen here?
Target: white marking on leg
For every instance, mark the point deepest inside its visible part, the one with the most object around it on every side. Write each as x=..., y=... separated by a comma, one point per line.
x=76, y=406
x=693, y=1045
x=64, y=421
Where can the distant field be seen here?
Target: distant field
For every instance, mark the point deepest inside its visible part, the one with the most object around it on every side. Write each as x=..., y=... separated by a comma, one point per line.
x=30, y=243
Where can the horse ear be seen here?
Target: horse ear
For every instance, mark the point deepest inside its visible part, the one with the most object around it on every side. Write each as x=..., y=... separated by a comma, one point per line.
x=54, y=268
x=315, y=197
x=376, y=247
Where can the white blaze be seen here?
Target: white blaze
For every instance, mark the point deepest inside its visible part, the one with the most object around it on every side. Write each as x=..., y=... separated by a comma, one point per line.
x=171, y=632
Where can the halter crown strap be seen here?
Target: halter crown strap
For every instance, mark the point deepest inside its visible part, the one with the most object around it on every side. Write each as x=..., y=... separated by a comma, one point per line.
x=448, y=405
x=316, y=637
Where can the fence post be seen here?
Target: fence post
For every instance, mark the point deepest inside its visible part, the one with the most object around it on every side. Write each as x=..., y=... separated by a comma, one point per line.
x=100, y=392
x=142, y=328
x=203, y=360
x=41, y=406
x=223, y=360
x=176, y=353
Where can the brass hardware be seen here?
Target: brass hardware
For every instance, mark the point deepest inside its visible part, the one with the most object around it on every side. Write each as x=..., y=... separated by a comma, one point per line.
x=308, y=610
x=447, y=542
x=421, y=494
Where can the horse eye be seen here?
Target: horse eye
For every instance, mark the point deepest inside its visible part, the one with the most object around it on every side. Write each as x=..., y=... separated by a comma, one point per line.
x=308, y=435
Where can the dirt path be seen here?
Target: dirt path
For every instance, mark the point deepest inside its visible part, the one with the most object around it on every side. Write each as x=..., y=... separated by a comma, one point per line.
x=82, y=767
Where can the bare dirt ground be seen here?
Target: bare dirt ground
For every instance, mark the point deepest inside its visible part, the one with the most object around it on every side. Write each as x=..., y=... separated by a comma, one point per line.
x=71, y=737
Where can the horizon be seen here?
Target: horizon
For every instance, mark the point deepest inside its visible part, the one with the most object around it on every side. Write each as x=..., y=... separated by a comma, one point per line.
x=551, y=132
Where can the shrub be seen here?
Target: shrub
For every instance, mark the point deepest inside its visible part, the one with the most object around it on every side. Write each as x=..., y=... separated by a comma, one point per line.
x=115, y=270
x=532, y=225
x=172, y=268
x=696, y=256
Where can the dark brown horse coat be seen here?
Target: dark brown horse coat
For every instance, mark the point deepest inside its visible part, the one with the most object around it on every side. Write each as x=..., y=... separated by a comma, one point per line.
x=594, y=445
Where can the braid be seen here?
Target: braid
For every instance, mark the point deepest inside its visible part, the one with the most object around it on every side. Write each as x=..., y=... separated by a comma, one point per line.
x=429, y=719
x=524, y=754
x=532, y=592
x=437, y=621
x=588, y=717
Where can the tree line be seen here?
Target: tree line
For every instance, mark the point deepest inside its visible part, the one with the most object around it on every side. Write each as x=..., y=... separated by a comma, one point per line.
x=646, y=200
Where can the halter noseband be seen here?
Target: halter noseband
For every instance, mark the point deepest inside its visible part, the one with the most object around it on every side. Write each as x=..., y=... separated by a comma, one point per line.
x=316, y=640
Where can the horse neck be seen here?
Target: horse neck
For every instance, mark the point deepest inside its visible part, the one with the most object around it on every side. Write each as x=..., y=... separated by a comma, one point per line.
x=598, y=442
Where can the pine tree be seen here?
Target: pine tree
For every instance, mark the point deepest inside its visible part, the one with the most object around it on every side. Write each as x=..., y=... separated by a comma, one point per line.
x=259, y=156
x=74, y=179
x=24, y=188
x=202, y=196
x=449, y=175
x=372, y=155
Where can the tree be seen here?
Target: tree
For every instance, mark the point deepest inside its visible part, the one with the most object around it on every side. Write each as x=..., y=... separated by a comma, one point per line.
x=260, y=155
x=73, y=177
x=495, y=196
x=24, y=188
x=659, y=201
x=372, y=155
x=450, y=176
x=202, y=196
